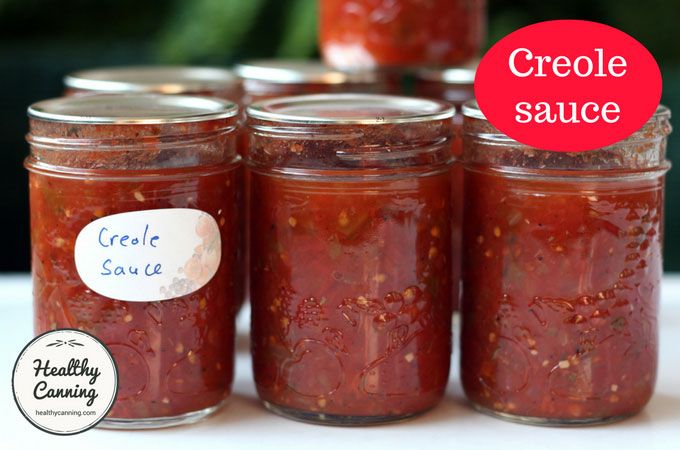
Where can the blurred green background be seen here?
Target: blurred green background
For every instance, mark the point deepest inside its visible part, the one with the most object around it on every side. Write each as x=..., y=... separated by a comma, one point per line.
x=40, y=40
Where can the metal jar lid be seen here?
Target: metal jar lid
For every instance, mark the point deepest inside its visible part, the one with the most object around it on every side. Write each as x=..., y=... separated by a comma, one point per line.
x=453, y=75
x=158, y=79
x=345, y=109
x=132, y=109
x=299, y=71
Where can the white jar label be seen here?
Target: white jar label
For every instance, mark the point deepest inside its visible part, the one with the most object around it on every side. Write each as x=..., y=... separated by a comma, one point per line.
x=150, y=255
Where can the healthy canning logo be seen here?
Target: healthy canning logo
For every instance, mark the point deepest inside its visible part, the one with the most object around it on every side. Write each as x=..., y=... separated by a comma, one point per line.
x=568, y=85
x=65, y=381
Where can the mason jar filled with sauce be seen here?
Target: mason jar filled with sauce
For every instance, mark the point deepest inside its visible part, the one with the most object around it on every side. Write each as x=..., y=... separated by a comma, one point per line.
x=271, y=78
x=400, y=33
x=185, y=80
x=134, y=230
x=454, y=85
x=265, y=79
x=169, y=80
x=562, y=275
x=350, y=255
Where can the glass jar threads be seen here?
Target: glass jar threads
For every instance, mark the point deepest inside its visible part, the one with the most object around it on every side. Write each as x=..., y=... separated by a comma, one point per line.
x=350, y=255
x=264, y=79
x=562, y=275
x=134, y=234
x=357, y=34
x=208, y=81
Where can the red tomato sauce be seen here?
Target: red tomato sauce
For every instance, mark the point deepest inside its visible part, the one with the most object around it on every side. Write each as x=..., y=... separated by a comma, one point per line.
x=375, y=33
x=561, y=296
x=349, y=283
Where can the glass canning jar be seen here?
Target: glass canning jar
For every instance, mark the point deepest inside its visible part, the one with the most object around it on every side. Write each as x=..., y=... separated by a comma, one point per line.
x=265, y=79
x=367, y=34
x=169, y=80
x=454, y=85
x=185, y=80
x=563, y=265
x=350, y=255
x=271, y=78
x=134, y=239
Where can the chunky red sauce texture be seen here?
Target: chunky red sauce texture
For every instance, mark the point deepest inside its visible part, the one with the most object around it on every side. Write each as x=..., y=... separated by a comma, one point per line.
x=561, y=290
x=369, y=33
x=173, y=356
x=457, y=187
x=350, y=294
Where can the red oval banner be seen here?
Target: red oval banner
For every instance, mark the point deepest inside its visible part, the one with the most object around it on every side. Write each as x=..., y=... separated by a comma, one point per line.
x=568, y=85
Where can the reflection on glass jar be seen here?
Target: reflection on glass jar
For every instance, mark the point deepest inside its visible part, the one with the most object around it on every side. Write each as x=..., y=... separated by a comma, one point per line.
x=562, y=275
x=154, y=175
x=366, y=34
x=350, y=255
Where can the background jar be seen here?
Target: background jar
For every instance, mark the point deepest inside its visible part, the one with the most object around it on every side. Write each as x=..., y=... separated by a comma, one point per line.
x=265, y=79
x=367, y=34
x=454, y=85
x=350, y=255
x=563, y=268
x=185, y=80
x=96, y=156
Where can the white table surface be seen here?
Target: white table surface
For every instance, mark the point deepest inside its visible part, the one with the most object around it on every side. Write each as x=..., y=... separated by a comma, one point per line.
x=243, y=423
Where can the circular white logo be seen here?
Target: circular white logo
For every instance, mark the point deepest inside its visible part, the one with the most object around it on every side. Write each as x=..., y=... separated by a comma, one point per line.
x=65, y=381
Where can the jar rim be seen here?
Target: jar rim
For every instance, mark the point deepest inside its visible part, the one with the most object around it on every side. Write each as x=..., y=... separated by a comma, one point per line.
x=291, y=71
x=158, y=79
x=374, y=109
x=132, y=109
